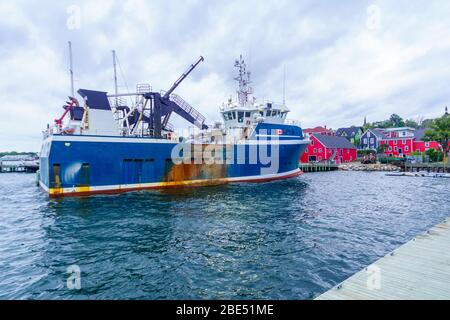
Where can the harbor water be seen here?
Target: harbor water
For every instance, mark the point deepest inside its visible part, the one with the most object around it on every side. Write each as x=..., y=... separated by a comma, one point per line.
x=291, y=239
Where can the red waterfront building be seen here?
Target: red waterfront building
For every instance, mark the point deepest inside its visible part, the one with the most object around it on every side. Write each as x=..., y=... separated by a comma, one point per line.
x=318, y=130
x=403, y=141
x=329, y=148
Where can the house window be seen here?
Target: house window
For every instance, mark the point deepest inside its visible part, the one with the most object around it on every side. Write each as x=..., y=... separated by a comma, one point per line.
x=372, y=140
x=406, y=148
x=320, y=158
x=395, y=148
x=390, y=149
x=365, y=140
x=312, y=142
x=341, y=152
x=427, y=144
x=395, y=142
x=404, y=141
x=320, y=150
x=315, y=150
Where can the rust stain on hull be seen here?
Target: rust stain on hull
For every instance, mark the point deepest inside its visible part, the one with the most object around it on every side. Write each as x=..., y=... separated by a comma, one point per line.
x=209, y=174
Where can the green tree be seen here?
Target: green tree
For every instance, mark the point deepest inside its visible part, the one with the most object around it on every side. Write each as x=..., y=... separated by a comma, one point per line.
x=435, y=156
x=411, y=124
x=382, y=148
x=440, y=132
x=427, y=123
x=396, y=121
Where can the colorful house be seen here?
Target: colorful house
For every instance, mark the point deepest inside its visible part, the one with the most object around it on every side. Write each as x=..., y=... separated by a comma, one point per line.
x=318, y=130
x=422, y=146
x=329, y=148
x=397, y=142
x=370, y=140
x=352, y=134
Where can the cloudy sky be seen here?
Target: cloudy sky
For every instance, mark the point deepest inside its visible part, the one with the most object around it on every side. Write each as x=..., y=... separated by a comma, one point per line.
x=344, y=59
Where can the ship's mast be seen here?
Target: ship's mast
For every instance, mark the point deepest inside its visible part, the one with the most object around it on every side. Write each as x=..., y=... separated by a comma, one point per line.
x=71, y=70
x=244, y=81
x=284, y=85
x=116, y=90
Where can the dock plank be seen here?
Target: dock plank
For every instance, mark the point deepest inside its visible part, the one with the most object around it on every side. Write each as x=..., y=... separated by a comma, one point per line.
x=417, y=270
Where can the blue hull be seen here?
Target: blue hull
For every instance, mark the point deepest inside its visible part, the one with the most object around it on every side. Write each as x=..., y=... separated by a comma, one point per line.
x=77, y=165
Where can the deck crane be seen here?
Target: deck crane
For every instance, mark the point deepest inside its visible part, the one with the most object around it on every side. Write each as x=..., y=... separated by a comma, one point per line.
x=156, y=110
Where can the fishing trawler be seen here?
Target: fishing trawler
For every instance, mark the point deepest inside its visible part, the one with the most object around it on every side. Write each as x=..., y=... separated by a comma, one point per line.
x=105, y=145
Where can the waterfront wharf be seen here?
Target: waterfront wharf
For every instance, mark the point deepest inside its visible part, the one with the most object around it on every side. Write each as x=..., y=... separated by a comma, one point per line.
x=417, y=270
x=318, y=167
x=428, y=167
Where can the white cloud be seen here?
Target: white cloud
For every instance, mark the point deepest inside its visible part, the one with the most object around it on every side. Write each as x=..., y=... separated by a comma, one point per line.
x=338, y=69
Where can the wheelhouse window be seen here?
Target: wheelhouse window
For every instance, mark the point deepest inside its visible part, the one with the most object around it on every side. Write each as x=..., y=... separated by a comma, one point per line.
x=247, y=114
x=240, y=116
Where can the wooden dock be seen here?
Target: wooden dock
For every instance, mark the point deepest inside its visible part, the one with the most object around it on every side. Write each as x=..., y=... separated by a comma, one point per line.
x=429, y=167
x=317, y=167
x=418, y=270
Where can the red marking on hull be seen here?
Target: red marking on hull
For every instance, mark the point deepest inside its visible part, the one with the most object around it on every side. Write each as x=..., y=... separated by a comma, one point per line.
x=196, y=185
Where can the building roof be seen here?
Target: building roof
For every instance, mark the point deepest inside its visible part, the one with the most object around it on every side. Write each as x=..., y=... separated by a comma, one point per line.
x=399, y=129
x=380, y=133
x=348, y=132
x=316, y=130
x=419, y=133
x=334, y=142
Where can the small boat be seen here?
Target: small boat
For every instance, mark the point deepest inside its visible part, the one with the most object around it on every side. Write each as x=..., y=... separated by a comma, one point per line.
x=422, y=174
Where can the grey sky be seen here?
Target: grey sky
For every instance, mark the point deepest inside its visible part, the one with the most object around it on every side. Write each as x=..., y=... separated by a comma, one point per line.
x=344, y=59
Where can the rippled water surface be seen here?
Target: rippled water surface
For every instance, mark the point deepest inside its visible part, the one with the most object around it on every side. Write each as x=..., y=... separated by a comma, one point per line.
x=292, y=239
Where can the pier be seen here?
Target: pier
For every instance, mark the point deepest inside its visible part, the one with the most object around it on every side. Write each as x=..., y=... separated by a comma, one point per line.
x=418, y=270
x=318, y=167
x=429, y=167
x=19, y=163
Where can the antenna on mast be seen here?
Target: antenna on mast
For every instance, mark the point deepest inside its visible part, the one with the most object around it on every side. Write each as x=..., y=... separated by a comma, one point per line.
x=71, y=70
x=244, y=81
x=284, y=85
x=116, y=90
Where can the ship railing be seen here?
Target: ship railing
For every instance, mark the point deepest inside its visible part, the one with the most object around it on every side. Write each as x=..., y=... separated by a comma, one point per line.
x=293, y=122
x=169, y=127
x=199, y=118
x=143, y=88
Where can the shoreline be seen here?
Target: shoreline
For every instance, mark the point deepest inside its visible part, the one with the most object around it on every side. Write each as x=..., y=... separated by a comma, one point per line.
x=368, y=167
